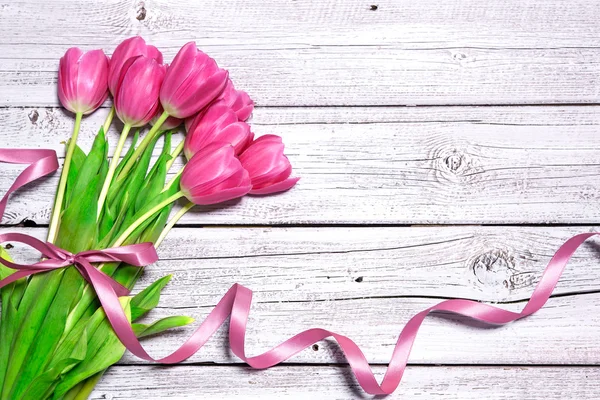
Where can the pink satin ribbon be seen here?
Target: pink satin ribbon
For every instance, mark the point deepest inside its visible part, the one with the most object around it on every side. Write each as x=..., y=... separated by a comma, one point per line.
x=237, y=301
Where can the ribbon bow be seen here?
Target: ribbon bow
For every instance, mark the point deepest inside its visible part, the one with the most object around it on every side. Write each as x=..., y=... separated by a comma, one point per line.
x=237, y=301
x=139, y=255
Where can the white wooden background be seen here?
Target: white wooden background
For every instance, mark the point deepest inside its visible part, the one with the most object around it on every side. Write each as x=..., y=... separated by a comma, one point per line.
x=466, y=193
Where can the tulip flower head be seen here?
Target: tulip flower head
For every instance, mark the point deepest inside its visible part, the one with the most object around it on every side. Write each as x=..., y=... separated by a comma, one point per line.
x=218, y=123
x=268, y=167
x=136, y=97
x=192, y=82
x=238, y=100
x=214, y=175
x=83, y=80
x=128, y=48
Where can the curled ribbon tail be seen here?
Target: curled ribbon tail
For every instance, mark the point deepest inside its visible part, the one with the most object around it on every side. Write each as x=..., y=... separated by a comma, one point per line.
x=237, y=301
x=41, y=162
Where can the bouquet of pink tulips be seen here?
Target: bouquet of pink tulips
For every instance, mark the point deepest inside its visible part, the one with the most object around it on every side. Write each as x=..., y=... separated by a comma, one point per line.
x=55, y=339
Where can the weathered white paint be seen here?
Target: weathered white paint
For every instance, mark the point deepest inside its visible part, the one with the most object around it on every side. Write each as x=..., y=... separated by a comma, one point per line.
x=337, y=383
x=329, y=52
x=388, y=166
x=379, y=165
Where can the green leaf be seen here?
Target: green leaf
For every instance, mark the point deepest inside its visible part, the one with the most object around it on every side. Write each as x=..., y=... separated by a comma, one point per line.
x=143, y=330
x=78, y=223
x=84, y=389
x=87, y=298
x=148, y=298
x=104, y=349
x=91, y=166
x=114, y=191
x=43, y=349
x=42, y=386
x=87, y=326
x=136, y=183
x=154, y=230
x=129, y=153
x=76, y=164
x=155, y=182
x=107, y=222
x=31, y=313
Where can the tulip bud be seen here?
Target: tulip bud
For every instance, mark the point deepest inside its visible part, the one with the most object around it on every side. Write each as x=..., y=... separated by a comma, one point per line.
x=193, y=81
x=218, y=123
x=82, y=80
x=214, y=175
x=268, y=167
x=238, y=100
x=128, y=48
x=136, y=97
x=170, y=122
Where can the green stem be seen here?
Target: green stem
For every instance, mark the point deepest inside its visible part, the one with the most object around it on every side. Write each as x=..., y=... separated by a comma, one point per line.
x=175, y=154
x=143, y=144
x=109, y=119
x=172, y=223
x=62, y=184
x=173, y=179
x=145, y=216
x=113, y=166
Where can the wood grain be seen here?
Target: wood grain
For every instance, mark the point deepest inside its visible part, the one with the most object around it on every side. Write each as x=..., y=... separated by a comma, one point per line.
x=337, y=383
x=458, y=165
x=367, y=282
x=329, y=52
x=376, y=163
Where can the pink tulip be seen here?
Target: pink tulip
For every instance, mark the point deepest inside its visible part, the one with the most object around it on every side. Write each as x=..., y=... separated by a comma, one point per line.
x=214, y=175
x=82, y=80
x=218, y=123
x=268, y=167
x=128, y=48
x=192, y=82
x=169, y=124
x=238, y=100
x=136, y=97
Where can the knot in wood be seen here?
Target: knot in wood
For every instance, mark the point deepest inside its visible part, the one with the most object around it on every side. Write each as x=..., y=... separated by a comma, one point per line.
x=454, y=162
x=459, y=56
x=494, y=268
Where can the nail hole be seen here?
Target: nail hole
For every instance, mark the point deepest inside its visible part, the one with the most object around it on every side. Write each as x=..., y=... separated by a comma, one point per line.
x=33, y=116
x=374, y=7
x=359, y=279
x=141, y=13
x=315, y=347
x=8, y=246
x=29, y=223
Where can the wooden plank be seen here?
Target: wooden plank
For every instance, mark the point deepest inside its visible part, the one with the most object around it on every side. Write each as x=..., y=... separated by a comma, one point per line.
x=337, y=383
x=367, y=282
x=455, y=165
x=293, y=53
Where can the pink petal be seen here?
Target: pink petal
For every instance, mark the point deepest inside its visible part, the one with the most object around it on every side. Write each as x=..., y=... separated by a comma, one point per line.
x=278, y=187
x=245, y=111
x=222, y=196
